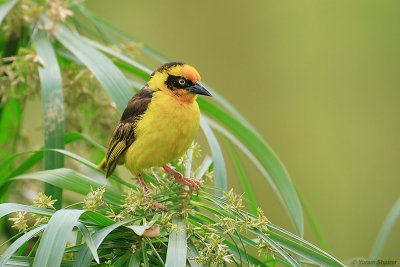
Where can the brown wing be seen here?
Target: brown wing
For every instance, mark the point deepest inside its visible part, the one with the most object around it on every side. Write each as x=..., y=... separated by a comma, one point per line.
x=124, y=133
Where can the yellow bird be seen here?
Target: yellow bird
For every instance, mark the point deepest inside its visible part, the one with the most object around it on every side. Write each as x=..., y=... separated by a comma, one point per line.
x=158, y=125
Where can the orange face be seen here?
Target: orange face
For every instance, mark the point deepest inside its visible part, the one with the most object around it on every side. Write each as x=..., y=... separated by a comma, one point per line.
x=186, y=72
x=179, y=81
x=190, y=73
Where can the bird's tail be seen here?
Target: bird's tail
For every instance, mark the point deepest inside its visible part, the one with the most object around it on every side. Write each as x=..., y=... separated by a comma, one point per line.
x=102, y=164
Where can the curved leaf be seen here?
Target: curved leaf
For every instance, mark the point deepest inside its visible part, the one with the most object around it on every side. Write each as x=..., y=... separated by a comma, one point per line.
x=18, y=243
x=84, y=256
x=89, y=240
x=109, y=76
x=135, y=259
x=220, y=180
x=384, y=232
x=53, y=108
x=5, y=8
x=243, y=178
x=177, y=245
x=304, y=243
x=261, y=157
x=52, y=244
x=7, y=208
x=71, y=180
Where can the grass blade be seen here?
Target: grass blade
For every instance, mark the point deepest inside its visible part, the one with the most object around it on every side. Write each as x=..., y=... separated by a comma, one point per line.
x=84, y=256
x=192, y=254
x=309, y=215
x=10, y=125
x=145, y=256
x=27, y=261
x=305, y=252
x=53, y=101
x=135, y=259
x=221, y=180
x=243, y=178
x=71, y=180
x=137, y=68
x=384, y=232
x=52, y=244
x=177, y=247
x=18, y=243
x=303, y=242
x=7, y=208
x=89, y=240
x=205, y=165
x=5, y=8
x=109, y=76
x=280, y=250
x=37, y=156
x=72, y=137
x=260, y=155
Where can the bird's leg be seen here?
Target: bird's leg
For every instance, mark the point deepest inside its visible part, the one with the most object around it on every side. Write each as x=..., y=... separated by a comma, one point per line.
x=191, y=182
x=148, y=196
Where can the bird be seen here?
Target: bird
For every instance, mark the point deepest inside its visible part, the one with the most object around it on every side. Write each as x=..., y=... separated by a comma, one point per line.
x=158, y=125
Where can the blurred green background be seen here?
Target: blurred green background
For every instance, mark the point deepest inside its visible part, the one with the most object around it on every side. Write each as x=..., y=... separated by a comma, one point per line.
x=318, y=79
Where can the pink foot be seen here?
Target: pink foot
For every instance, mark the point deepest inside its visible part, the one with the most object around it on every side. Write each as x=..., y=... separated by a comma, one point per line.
x=191, y=182
x=148, y=196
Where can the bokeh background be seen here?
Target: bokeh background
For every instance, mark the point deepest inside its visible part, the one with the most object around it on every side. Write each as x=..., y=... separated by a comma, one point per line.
x=318, y=79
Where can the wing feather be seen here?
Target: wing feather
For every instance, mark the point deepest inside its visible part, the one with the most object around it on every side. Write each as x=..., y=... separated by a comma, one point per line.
x=124, y=133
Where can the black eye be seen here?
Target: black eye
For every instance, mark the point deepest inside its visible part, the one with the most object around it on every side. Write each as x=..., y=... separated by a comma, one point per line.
x=182, y=81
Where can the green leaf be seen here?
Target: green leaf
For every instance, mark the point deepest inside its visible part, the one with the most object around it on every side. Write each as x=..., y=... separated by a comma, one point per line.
x=302, y=242
x=97, y=218
x=27, y=261
x=303, y=251
x=5, y=8
x=300, y=246
x=281, y=251
x=89, y=240
x=25, y=165
x=52, y=244
x=135, y=259
x=53, y=101
x=309, y=215
x=84, y=256
x=121, y=260
x=7, y=208
x=19, y=261
x=71, y=180
x=192, y=254
x=177, y=247
x=37, y=156
x=387, y=226
x=145, y=256
x=136, y=68
x=73, y=136
x=262, y=157
x=109, y=76
x=10, y=124
x=252, y=260
x=18, y=243
x=92, y=166
x=204, y=166
x=240, y=171
x=220, y=180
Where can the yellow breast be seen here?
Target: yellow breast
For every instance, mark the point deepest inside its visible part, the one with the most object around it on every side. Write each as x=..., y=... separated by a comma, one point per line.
x=164, y=133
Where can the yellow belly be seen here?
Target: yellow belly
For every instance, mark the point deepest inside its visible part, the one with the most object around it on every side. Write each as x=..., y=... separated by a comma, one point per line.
x=163, y=134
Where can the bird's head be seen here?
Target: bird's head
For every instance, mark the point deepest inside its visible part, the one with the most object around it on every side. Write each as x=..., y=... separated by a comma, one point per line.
x=178, y=80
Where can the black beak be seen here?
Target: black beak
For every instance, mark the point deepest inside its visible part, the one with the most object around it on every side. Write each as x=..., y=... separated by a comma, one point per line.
x=198, y=89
